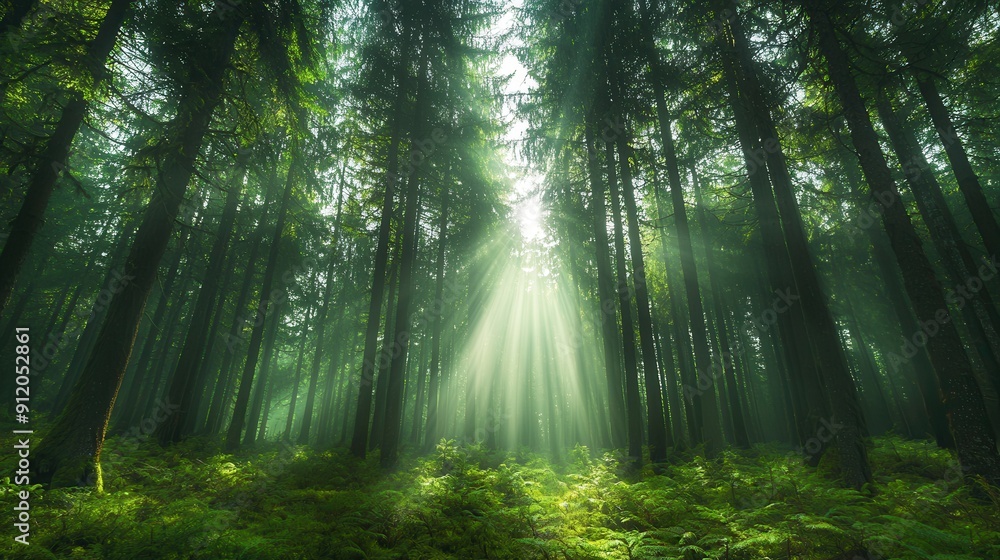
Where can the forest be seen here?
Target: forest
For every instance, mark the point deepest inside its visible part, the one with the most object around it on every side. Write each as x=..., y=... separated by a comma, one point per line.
x=548, y=279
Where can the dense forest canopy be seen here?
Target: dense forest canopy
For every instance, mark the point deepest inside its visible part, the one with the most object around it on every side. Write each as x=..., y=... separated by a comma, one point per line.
x=466, y=279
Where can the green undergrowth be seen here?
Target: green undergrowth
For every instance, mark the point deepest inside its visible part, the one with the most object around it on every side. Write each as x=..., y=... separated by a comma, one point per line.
x=192, y=501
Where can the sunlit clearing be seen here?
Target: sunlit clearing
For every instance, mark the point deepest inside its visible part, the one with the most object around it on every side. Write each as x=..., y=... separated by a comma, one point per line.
x=529, y=357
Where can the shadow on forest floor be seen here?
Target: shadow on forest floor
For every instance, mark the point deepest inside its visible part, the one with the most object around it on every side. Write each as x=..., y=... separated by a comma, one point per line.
x=191, y=501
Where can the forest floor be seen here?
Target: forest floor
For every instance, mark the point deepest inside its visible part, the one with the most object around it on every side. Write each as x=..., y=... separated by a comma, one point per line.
x=282, y=501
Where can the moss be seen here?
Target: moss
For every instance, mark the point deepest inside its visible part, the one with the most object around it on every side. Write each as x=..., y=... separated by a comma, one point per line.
x=192, y=501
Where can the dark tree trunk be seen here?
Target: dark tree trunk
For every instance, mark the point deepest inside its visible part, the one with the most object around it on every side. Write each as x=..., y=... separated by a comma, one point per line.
x=659, y=424
x=437, y=308
x=286, y=435
x=70, y=454
x=736, y=411
x=359, y=441
x=264, y=308
x=142, y=376
x=955, y=255
x=795, y=341
x=408, y=258
x=216, y=409
x=317, y=360
x=975, y=439
x=968, y=182
x=56, y=151
x=606, y=295
x=633, y=405
x=262, y=380
x=184, y=381
x=385, y=355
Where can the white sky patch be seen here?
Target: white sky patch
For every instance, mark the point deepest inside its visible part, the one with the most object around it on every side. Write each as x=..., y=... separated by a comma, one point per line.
x=525, y=197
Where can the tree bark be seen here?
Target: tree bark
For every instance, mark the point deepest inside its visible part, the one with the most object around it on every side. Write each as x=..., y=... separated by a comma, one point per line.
x=70, y=454
x=975, y=439
x=968, y=181
x=54, y=155
x=183, y=380
x=264, y=308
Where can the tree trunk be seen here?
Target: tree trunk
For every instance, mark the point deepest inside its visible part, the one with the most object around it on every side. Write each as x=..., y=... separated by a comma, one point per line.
x=968, y=182
x=437, y=308
x=808, y=401
x=213, y=422
x=264, y=308
x=359, y=441
x=735, y=409
x=659, y=424
x=633, y=405
x=955, y=255
x=402, y=334
x=70, y=454
x=183, y=381
x=606, y=295
x=307, y=414
x=975, y=439
x=830, y=361
x=56, y=151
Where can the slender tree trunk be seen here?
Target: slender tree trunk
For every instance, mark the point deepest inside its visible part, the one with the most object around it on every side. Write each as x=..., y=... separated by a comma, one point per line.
x=184, y=381
x=808, y=402
x=56, y=151
x=219, y=396
x=968, y=182
x=659, y=424
x=296, y=381
x=211, y=361
x=633, y=405
x=307, y=414
x=359, y=441
x=955, y=255
x=831, y=363
x=418, y=404
x=437, y=308
x=262, y=380
x=736, y=411
x=681, y=334
x=385, y=355
x=400, y=342
x=264, y=308
x=606, y=295
x=132, y=400
x=70, y=454
x=975, y=439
